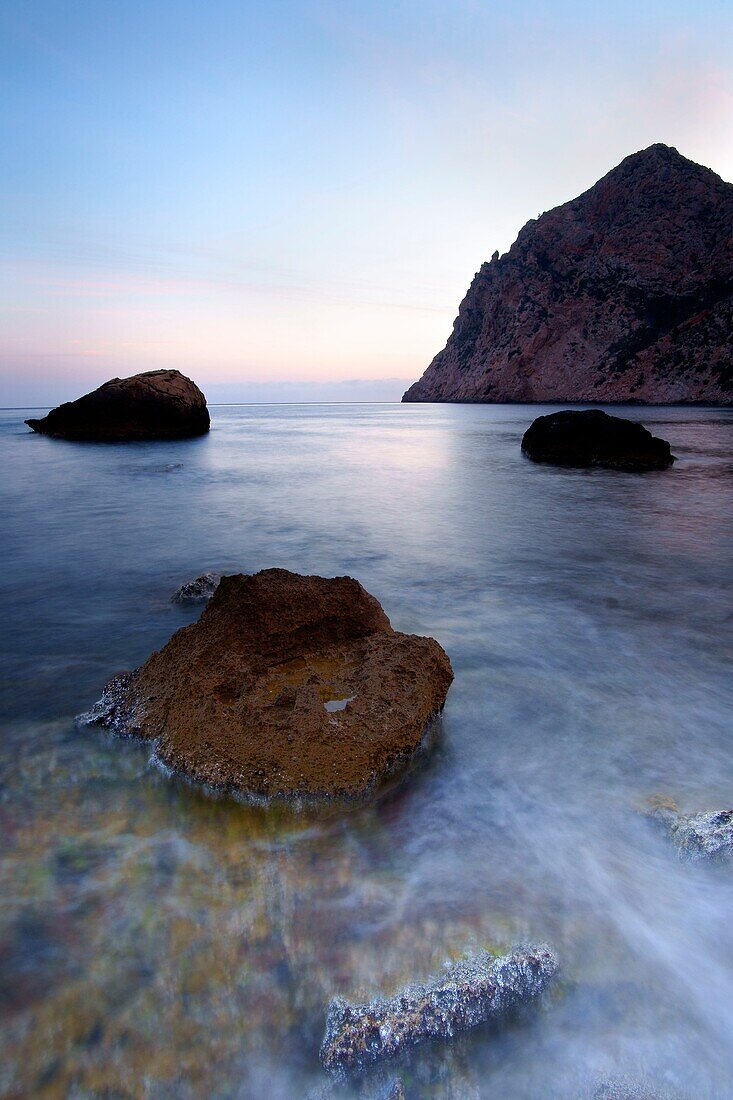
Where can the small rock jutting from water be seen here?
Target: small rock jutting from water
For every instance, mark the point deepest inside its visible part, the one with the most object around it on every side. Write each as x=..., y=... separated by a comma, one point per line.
x=590, y=437
x=472, y=992
x=243, y=700
x=198, y=590
x=706, y=835
x=157, y=405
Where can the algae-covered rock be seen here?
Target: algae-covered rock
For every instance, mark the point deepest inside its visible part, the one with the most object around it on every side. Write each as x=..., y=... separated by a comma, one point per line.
x=705, y=835
x=196, y=591
x=471, y=992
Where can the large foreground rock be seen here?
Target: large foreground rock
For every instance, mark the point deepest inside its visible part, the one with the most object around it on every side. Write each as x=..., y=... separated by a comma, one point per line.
x=286, y=685
x=472, y=992
x=623, y=294
x=593, y=438
x=161, y=404
x=706, y=835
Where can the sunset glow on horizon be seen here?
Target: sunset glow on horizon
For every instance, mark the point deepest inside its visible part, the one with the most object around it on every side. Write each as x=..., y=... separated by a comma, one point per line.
x=295, y=194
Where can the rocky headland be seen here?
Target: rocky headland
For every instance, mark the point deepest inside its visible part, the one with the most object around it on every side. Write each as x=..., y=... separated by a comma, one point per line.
x=157, y=405
x=286, y=686
x=623, y=294
x=590, y=437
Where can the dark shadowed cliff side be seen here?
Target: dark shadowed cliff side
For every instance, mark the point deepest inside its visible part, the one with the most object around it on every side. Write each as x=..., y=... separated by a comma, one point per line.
x=623, y=294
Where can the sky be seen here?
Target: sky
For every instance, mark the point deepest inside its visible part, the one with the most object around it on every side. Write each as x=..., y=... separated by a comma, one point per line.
x=287, y=200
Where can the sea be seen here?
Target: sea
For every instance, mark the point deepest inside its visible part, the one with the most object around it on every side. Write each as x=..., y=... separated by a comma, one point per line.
x=156, y=941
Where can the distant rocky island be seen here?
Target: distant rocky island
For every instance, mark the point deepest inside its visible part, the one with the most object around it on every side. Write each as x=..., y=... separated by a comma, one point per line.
x=623, y=294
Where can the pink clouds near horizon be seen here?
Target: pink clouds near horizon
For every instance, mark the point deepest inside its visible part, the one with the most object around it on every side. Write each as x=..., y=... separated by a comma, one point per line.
x=304, y=195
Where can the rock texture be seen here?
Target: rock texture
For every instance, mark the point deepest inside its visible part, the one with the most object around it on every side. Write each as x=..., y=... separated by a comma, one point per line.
x=198, y=590
x=379, y=1087
x=286, y=685
x=623, y=294
x=629, y=1088
x=161, y=404
x=593, y=438
x=472, y=992
x=707, y=835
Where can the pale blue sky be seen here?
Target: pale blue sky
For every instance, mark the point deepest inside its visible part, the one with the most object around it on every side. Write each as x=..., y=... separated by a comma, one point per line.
x=285, y=193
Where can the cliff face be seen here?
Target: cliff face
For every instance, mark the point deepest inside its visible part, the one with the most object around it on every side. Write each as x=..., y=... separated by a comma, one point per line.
x=623, y=294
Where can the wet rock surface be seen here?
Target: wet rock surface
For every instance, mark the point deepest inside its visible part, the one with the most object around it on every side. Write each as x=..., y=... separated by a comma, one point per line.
x=622, y=294
x=373, y=1087
x=591, y=437
x=287, y=685
x=472, y=992
x=198, y=590
x=156, y=405
x=629, y=1088
x=707, y=835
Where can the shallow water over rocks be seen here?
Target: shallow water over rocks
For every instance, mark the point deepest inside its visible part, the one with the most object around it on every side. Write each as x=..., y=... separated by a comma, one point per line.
x=155, y=942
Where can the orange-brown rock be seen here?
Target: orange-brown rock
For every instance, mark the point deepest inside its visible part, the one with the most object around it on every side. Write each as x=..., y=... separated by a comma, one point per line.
x=160, y=404
x=286, y=685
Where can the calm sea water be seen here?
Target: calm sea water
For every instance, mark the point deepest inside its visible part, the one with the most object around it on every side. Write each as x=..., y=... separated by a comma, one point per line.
x=156, y=943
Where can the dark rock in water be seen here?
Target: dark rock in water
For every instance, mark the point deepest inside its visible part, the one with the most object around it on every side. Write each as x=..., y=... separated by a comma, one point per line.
x=472, y=992
x=196, y=591
x=158, y=405
x=707, y=835
x=249, y=697
x=590, y=437
x=623, y=294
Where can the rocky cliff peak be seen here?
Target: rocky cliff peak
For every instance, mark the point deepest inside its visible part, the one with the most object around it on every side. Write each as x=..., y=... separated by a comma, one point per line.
x=622, y=294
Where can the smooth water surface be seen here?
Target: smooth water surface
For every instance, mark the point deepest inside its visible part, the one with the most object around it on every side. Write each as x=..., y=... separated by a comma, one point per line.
x=156, y=943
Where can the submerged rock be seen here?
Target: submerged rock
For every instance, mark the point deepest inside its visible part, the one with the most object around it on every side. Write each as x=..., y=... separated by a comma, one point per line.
x=202, y=588
x=590, y=437
x=244, y=699
x=157, y=405
x=706, y=835
x=470, y=993
x=381, y=1088
x=628, y=1088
